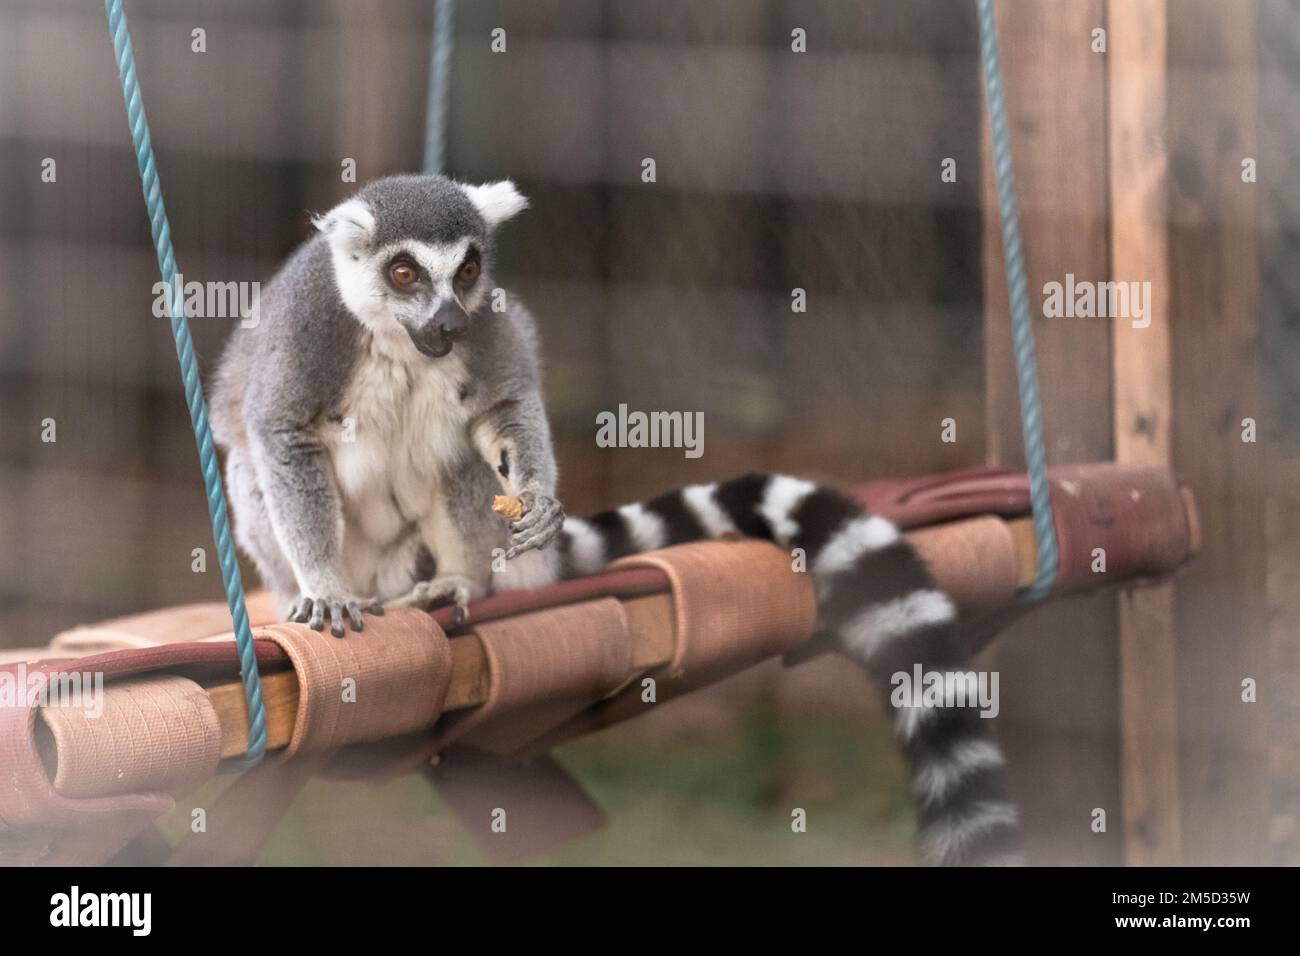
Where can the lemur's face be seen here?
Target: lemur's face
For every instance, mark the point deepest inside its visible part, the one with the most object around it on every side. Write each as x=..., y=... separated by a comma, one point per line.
x=411, y=253
x=430, y=290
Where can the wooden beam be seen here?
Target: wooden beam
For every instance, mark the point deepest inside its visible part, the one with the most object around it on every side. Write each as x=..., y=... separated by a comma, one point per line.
x=377, y=115
x=1221, y=600
x=1139, y=252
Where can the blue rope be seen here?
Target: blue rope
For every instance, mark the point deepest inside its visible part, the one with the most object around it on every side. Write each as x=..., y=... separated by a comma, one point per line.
x=435, y=120
x=1022, y=329
x=162, y=239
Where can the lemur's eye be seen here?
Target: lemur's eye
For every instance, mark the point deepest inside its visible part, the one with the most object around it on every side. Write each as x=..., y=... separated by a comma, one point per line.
x=468, y=272
x=402, y=273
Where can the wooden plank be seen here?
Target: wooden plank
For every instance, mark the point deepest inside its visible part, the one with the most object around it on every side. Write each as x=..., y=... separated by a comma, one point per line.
x=1058, y=666
x=378, y=120
x=1220, y=602
x=1143, y=408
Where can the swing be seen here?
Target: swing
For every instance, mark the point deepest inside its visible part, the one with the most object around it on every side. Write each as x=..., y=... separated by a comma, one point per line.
x=997, y=542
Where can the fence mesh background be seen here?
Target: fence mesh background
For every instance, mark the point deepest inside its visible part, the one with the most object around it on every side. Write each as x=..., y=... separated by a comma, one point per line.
x=774, y=171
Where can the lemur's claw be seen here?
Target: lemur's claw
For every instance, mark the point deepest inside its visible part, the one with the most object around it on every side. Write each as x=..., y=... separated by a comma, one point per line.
x=542, y=520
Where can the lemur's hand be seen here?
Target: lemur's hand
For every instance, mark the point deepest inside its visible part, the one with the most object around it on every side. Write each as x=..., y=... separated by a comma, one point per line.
x=542, y=520
x=442, y=589
x=341, y=610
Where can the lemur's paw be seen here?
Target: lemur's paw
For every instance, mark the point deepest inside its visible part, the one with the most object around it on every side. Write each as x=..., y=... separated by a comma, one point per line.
x=543, y=518
x=437, y=591
x=341, y=611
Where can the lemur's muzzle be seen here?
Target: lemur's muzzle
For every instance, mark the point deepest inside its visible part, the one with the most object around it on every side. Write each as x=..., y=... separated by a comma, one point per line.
x=437, y=336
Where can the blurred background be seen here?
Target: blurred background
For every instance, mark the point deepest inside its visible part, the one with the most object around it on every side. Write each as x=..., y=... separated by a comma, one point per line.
x=775, y=171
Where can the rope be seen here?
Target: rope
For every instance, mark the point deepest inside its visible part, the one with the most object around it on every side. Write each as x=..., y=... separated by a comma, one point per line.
x=435, y=120
x=1022, y=330
x=162, y=239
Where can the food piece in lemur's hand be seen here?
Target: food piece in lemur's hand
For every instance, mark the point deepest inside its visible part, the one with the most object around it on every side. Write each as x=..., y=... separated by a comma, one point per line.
x=508, y=507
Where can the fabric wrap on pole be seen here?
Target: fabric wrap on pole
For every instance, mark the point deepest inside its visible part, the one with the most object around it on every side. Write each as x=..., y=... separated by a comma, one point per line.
x=155, y=733
x=735, y=603
x=976, y=560
x=387, y=680
x=543, y=668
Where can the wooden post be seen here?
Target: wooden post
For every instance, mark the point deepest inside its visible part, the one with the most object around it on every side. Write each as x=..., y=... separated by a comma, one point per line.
x=1059, y=673
x=1220, y=602
x=379, y=119
x=1143, y=410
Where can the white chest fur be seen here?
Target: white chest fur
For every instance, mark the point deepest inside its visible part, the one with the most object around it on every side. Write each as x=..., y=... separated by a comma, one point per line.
x=403, y=429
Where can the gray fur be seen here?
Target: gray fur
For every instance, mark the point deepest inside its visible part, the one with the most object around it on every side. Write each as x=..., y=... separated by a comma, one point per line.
x=334, y=525
x=428, y=208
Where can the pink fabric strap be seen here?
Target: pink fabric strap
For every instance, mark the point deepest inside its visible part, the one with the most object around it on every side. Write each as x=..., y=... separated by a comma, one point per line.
x=542, y=669
x=387, y=680
x=735, y=602
x=120, y=749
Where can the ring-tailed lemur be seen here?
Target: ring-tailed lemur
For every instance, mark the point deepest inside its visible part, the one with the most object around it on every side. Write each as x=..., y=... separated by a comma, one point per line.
x=374, y=410
x=370, y=414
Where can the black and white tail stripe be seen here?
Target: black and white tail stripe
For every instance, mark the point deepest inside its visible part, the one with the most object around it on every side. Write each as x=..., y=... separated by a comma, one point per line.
x=877, y=599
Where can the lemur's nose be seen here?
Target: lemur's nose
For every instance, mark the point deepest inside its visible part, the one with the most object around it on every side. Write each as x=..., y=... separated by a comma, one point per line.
x=451, y=319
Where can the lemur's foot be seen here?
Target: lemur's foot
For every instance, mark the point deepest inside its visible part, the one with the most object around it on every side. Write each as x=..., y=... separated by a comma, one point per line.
x=342, y=611
x=542, y=520
x=437, y=591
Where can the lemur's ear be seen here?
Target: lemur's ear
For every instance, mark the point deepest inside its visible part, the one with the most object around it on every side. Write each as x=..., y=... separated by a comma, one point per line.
x=497, y=202
x=348, y=225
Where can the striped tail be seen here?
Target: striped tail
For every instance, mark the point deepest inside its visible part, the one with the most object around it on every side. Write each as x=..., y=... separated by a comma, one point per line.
x=877, y=600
